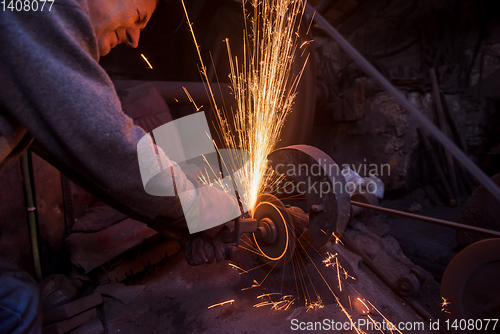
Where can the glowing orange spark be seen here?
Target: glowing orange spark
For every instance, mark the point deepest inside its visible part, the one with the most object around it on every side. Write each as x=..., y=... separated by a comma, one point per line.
x=315, y=306
x=147, y=61
x=268, y=294
x=223, y=303
x=236, y=267
x=444, y=304
x=328, y=262
x=255, y=285
x=375, y=323
x=282, y=304
x=191, y=99
x=389, y=323
x=364, y=304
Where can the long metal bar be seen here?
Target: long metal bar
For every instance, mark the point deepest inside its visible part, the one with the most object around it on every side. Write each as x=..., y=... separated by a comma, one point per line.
x=173, y=92
x=419, y=116
x=380, y=273
x=444, y=129
x=427, y=219
x=32, y=219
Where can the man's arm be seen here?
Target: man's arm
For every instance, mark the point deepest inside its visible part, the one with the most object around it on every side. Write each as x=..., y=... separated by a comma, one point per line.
x=52, y=84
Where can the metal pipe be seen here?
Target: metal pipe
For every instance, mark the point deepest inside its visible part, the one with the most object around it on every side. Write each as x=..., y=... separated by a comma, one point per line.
x=420, y=117
x=437, y=167
x=30, y=208
x=428, y=219
x=173, y=92
x=444, y=129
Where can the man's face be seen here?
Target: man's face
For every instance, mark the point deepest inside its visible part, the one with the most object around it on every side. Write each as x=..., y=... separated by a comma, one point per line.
x=119, y=21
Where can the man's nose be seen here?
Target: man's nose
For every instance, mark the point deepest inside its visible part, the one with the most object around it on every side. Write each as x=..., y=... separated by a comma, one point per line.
x=133, y=35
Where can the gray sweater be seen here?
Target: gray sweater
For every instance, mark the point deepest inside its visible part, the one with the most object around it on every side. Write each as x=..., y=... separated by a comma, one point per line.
x=52, y=89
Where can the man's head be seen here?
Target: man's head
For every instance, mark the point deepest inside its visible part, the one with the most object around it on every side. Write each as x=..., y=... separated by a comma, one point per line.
x=119, y=21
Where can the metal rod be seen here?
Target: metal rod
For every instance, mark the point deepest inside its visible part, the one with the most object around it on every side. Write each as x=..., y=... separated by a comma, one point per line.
x=437, y=167
x=444, y=130
x=173, y=93
x=420, y=117
x=373, y=266
x=428, y=219
x=30, y=208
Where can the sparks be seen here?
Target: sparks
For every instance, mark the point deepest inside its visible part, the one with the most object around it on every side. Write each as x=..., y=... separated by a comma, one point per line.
x=317, y=305
x=236, y=267
x=282, y=304
x=333, y=261
x=264, y=89
x=223, y=303
x=444, y=304
x=364, y=304
x=147, y=61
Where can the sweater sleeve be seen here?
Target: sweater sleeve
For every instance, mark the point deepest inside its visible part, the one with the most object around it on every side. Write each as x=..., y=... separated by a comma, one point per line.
x=52, y=84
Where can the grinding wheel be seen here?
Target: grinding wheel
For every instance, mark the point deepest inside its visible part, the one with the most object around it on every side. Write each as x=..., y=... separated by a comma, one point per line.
x=280, y=247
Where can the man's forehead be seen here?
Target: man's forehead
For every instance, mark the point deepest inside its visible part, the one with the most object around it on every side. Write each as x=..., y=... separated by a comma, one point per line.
x=149, y=5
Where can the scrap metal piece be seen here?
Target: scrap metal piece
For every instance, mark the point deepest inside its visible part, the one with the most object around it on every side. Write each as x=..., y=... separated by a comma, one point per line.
x=275, y=237
x=470, y=283
x=320, y=179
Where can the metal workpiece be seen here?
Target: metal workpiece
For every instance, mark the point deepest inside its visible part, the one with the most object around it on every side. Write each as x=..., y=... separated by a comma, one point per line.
x=320, y=180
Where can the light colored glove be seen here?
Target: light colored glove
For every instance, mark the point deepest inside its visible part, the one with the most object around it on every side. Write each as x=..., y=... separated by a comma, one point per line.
x=212, y=208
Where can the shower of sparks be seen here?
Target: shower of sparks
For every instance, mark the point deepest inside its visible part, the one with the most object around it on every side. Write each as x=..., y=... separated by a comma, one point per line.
x=147, y=61
x=444, y=304
x=264, y=88
x=223, y=303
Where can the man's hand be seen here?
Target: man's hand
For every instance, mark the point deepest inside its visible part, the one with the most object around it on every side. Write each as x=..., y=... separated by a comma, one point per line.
x=204, y=249
x=211, y=206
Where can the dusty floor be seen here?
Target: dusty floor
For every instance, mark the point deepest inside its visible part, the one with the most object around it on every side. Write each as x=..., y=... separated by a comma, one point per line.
x=177, y=296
